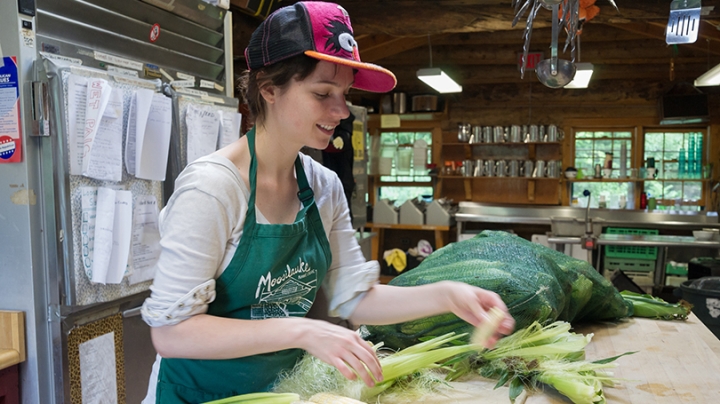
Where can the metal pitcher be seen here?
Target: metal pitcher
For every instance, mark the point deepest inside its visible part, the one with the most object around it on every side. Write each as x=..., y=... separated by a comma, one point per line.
x=487, y=134
x=515, y=134
x=513, y=168
x=490, y=168
x=500, y=168
x=553, y=168
x=479, y=169
x=539, y=169
x=552, y=133
x=533, y=134
x=476, y=136
x=498, y=134
x=527, y=168
x=467, y=168
x=464, y=130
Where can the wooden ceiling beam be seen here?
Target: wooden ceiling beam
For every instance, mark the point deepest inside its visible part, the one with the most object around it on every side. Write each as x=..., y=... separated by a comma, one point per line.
x=640, y=52
x=376, y=47
x=602, y=72
x=708, y=41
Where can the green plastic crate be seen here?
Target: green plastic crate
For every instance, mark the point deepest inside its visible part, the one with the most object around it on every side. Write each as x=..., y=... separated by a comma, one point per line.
x=634, y=252
x=679, y=270
x=628, y=264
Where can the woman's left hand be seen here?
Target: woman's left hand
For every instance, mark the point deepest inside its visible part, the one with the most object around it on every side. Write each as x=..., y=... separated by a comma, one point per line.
x=471, y=304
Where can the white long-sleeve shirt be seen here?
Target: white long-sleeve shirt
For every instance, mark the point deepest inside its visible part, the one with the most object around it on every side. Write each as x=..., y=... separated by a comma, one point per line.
x=202, y=224
x=200, y=230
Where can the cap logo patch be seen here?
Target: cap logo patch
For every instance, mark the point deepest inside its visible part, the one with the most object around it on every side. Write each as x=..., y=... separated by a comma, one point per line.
x=340, y=39
x=343, y=11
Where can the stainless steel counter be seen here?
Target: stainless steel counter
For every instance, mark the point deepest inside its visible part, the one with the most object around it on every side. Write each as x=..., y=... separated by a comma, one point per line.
x=572, y=219
x=640, y=241
x=637, y=240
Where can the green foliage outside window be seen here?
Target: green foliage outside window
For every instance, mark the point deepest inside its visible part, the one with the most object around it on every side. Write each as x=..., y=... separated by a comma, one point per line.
x=666, y=149
x=672, y=185
x=591, y=148
x=391, y=143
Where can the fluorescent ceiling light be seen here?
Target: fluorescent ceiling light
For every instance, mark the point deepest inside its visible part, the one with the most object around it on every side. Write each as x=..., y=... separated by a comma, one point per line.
x=437, y=79
x=710, y=78
x=582, y=76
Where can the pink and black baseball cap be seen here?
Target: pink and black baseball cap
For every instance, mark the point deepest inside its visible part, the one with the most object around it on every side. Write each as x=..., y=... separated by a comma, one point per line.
x=319, y=30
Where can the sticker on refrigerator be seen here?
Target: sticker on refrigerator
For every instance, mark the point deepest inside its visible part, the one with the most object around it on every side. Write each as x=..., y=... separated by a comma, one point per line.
x=10, y=129
x=154, y=32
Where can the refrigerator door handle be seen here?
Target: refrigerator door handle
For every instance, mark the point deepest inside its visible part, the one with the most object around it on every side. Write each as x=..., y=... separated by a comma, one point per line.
x=132, y=312
x=41, y=109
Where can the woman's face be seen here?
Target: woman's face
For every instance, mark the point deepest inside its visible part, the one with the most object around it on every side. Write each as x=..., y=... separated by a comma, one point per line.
x=308, y=111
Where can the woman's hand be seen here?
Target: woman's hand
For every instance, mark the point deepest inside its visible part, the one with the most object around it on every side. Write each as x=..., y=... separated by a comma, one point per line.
x=471, y=304
x=343, y=349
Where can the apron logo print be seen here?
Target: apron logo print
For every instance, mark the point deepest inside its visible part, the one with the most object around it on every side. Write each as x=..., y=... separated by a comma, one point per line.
x=285, y=294
x=267, y=283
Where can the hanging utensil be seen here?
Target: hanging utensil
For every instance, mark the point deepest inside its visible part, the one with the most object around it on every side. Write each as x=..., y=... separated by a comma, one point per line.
x=554, y=72
x=684, y=22
x=549, y=3
x=528, y=35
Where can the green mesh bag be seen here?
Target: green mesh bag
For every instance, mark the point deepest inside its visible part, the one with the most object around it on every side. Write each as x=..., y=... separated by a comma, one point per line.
x=535, y=282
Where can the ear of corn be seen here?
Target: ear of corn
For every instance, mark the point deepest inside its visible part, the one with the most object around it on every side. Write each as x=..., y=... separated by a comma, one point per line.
x=259, y=398
x=328, y=398
x=487, y=328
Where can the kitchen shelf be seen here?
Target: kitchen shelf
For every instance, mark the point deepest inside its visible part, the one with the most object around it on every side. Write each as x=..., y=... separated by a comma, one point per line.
x=441, y=233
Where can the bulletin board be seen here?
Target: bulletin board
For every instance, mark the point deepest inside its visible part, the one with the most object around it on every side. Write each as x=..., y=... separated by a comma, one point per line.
x=179, y=138
x=90, y=358
x=78, y=286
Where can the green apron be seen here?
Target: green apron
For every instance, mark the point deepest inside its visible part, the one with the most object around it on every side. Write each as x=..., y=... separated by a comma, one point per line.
x=276, y=271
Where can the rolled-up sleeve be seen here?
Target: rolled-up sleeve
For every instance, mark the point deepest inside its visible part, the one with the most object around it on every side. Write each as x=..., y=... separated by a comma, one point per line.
x=195, y=229
x=156, y=313
x=346, y=286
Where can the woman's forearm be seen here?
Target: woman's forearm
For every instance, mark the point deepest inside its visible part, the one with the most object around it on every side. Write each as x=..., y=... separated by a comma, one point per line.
x=385, y=304
x=210, y=337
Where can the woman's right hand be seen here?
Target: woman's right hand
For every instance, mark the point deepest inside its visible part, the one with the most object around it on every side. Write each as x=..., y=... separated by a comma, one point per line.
x=343, y=349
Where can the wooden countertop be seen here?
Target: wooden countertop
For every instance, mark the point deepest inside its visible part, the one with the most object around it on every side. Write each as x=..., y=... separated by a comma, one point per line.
x=12, y=338
x=676, y=362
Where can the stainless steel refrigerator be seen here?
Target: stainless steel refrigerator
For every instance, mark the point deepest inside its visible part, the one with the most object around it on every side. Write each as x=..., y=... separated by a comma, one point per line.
x=181, y=49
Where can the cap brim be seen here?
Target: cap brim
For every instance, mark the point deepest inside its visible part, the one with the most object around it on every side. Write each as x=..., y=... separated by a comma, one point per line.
x=369, y=77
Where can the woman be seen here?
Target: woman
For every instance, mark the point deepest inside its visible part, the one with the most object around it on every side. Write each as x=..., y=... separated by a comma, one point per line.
x=253, y=230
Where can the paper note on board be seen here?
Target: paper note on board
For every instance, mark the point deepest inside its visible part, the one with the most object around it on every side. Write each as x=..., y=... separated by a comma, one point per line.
x=113, y=225
x=77, y=102
x=153, y=146
x=98, y=370
x=103, y=132
x=203, y=125
x=137, y=116
x=145, y=239
x=88, y=206
x=229, y=127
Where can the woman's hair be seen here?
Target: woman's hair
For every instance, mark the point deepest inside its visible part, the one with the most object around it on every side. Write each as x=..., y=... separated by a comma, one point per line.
x=278, y=74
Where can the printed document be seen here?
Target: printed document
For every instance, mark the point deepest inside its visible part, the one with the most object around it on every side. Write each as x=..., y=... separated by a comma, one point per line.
x=203, y=125
x=145, y=239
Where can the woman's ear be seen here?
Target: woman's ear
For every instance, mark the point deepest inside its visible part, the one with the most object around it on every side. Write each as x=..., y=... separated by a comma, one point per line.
x=269, y=92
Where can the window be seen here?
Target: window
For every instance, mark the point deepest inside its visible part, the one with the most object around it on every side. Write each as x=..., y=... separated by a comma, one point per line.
x=677, y=157
x=402, y=165
x=595, y=147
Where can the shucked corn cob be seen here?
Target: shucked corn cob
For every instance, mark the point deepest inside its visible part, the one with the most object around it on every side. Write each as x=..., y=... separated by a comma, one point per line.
x=487, y=328
x=259, y=398
x=328, y=398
